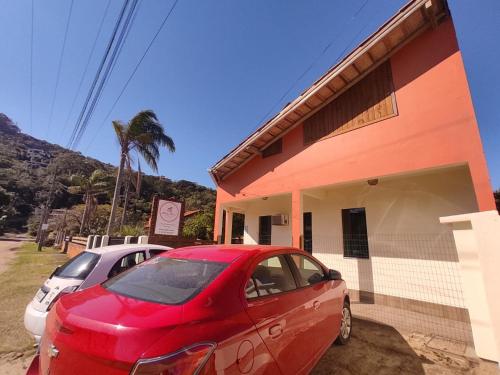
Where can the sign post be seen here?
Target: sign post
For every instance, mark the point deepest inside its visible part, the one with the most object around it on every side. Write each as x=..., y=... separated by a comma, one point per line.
x=167, y=219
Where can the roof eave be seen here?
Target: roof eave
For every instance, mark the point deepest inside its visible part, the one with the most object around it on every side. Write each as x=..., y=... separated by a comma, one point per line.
x=247, y=147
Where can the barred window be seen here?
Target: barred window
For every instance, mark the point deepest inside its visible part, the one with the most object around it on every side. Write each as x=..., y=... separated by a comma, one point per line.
x=355, y=233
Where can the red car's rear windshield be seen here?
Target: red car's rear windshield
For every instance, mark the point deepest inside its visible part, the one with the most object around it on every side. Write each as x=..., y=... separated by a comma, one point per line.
x=164, y=280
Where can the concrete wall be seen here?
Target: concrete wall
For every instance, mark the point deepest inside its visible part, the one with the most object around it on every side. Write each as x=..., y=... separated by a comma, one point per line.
x=280, y=235
x=477, y=238
x=74, y=249
x=411, y=254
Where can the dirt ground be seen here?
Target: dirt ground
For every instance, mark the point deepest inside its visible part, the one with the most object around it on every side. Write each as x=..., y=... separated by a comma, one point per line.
x=379, y=349
x=7, y=252
x=15, y=363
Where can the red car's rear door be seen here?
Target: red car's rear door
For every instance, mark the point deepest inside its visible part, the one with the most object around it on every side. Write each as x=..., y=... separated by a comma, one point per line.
x=281, y=313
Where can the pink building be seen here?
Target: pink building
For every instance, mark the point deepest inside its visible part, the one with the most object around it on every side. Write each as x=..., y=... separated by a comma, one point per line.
x=361, y=166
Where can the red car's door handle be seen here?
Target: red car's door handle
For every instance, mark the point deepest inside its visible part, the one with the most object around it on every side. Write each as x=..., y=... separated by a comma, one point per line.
x=316, y=305
x=275, y=330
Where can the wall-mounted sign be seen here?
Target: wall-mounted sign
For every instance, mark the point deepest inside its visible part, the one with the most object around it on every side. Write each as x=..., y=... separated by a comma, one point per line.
x=168, y=218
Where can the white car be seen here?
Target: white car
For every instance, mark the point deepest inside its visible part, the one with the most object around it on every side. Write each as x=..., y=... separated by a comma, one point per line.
x=90, y=267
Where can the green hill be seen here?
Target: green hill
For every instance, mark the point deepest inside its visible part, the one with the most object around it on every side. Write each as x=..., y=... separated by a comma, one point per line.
x=27, y=164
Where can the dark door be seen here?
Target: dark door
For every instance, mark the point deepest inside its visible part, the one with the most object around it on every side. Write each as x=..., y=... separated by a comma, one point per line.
x=308, y=241
x=264, y=230
x=223, y=229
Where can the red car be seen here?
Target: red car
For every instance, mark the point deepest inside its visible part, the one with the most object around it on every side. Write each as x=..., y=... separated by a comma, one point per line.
x=201, y=310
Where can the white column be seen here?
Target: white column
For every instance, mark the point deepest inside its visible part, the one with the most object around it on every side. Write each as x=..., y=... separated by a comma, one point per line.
x=228, y=226
x=90, y=242
x=105, y=240
x=143, y=240
x=477, y=238
x=128, y=239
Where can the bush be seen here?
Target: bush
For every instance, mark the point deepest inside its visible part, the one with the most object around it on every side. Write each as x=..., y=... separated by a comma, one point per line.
x=132, y=230
x=199, y=226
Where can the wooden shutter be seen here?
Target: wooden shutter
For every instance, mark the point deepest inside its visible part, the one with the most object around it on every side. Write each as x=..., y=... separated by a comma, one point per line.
x=273, y=149
x=370, y=100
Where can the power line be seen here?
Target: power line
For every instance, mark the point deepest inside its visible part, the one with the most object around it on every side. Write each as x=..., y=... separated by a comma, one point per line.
x=126, y=36
x=97, y=96
x=162, y=25
x=60, y=66
x=308, y=69
x=86, y=67
x=98, y=73
x=31, y=64
x=127, y=26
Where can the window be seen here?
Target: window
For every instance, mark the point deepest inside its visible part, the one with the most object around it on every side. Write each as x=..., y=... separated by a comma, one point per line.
x=128, y=261
x=370, y=100
x=307, y=222
x=271, y=276
x=309, y=271
x=265, y=230
x=79, y=267
x=355, y=233
x=155, y=252
x=274, y=148
x=166, y=280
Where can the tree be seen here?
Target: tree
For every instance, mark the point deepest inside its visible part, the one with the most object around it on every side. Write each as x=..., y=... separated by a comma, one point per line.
x=199, y=226
x=5, y=208
x=97, y=223
x=97, y=183
x=137, y=186
x=145, y=135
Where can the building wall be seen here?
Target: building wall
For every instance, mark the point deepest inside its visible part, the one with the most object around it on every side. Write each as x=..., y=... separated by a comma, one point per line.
x=435, y=127
x=280, y=235
x=412, y=255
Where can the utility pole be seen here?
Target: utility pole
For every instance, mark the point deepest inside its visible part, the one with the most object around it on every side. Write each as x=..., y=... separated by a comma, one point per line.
x=42, y=229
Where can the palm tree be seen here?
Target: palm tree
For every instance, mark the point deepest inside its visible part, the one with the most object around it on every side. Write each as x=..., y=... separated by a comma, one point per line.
x=137, y=189
x=98, y=182
x=145, y=135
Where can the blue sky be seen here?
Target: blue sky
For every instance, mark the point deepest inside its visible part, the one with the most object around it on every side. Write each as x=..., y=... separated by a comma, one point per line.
x=215, y=72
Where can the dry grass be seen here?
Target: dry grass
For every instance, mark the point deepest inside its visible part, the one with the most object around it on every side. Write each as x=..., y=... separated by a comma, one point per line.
x=18, y=284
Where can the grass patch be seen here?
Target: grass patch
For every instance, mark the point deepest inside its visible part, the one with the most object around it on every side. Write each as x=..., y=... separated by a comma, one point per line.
x=18, y=284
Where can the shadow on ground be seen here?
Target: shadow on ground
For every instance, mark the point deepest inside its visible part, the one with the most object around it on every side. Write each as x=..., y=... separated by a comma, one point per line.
x=380, y=349
x=374, y=349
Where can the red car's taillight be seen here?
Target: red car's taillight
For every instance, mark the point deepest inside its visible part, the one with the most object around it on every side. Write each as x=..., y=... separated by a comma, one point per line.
x=67, y=290
x=190, y=360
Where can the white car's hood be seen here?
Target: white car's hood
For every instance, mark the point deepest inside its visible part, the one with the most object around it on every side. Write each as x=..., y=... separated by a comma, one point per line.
x=50, y=289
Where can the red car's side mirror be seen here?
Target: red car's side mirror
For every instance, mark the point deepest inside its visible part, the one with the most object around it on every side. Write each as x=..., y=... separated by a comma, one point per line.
x=334, y=275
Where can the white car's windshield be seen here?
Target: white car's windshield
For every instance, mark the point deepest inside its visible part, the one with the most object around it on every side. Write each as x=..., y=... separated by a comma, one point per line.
x=79, y=267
